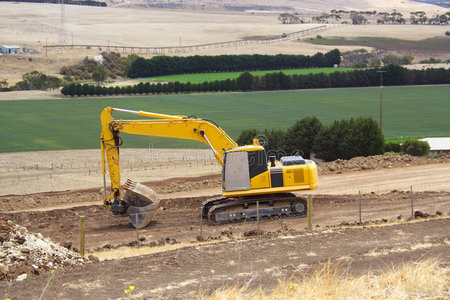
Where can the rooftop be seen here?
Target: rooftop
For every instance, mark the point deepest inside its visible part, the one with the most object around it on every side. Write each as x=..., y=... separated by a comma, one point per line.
x=440, y=143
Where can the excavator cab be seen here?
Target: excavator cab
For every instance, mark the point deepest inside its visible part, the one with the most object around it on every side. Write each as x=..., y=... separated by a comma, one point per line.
x=241, y=165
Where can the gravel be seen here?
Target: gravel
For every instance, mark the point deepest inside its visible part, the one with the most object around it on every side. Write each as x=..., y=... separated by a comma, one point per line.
x=24, y=254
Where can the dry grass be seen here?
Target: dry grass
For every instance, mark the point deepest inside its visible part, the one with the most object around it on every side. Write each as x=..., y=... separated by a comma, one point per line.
x=415, y=280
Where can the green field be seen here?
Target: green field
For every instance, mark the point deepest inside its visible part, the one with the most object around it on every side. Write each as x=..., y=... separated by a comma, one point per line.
x=74, y=123
x=436, y=44
x=201, y=77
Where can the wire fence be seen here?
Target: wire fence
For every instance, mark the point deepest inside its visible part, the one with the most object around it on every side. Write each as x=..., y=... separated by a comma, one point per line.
x=52, y=170
x=194, y=48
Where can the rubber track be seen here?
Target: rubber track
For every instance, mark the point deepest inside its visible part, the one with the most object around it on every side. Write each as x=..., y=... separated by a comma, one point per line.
x=230, y=202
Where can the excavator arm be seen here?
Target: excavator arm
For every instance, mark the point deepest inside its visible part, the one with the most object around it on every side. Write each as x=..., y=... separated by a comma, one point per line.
x=161, y=125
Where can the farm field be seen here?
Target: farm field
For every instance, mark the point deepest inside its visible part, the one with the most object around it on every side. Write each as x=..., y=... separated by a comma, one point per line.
x=74, y=123
x=201, y=77
x=404, y=200
x=431, y=45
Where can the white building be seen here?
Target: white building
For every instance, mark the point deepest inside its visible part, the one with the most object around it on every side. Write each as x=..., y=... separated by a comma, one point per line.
x=9, y=49
x=438, y=145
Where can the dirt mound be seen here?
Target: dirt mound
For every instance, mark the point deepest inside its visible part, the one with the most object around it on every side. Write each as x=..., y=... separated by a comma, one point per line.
x=375, y=162
x=23, y=254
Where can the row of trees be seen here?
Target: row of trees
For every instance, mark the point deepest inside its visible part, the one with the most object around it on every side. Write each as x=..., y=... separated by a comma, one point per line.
x=394, y=17
x=36, y=80
x=167, y=65
x=343, y=139
x=395, y=75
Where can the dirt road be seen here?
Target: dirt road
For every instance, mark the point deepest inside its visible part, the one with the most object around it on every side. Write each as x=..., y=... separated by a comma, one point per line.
x=257, y=261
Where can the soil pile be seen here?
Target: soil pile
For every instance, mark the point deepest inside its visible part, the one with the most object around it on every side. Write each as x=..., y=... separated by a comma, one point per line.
x=377, y=162
x=23, y=254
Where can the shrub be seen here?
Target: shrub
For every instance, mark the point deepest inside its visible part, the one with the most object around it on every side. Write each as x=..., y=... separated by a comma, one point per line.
x=36, y=80
x=416, y=148
x=393, y=147
x=246, y=137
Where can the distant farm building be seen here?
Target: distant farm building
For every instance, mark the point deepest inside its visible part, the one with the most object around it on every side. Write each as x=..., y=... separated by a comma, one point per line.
x=9, y=49
x=438, y=145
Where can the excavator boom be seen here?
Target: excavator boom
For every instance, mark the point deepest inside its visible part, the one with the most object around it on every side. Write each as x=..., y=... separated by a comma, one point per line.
x=182, y=127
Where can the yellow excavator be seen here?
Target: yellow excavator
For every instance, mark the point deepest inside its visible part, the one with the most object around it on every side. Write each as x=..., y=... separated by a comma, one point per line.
x=249, y=178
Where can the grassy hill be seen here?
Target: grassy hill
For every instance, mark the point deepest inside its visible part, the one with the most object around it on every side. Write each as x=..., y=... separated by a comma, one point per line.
x=32, y=125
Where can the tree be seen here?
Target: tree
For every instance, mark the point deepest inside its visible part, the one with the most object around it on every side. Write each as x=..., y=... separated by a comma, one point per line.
x=287, y=18
x=246, y=137
x=274, y=142
x=3, y=84
x=300, y=137
x=36, y=80
x=357, y=18
x=138, y=68
x=345, y=139
x=244, y=81
x=100, y=74
x=416, y=148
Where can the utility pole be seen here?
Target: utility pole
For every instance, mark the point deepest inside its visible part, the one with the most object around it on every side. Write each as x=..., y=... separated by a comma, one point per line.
x=381, y=98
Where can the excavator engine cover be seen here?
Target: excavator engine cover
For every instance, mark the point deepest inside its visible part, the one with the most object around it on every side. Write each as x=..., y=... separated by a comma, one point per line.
x=142, y=203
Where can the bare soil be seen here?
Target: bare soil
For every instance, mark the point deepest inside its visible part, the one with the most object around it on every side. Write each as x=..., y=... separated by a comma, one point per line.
x=170, y=262
x=26, y=173
x=256, y=261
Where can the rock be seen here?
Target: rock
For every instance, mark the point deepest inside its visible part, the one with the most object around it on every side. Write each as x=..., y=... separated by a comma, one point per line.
x=171, y=241
x=200, y=239
x=253, y=233
x=67, y=245
x=8, y=245
x=439, y=213
x=22, y=277
x=142, y=238
x=20, y=240
x=105, y=246
x=93, y=258
x=227, y=232
x=419, y=214
x=132, y=244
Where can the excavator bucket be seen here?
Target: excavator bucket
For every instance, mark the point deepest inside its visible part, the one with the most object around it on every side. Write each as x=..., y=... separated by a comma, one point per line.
x=143, y=203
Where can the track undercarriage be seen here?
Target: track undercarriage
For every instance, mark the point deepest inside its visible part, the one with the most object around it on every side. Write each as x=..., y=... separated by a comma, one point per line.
x=227, y=210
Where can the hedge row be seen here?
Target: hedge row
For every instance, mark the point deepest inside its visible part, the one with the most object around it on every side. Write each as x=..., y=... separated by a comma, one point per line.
x=168, y=65
x=411, y=147
x=395, y=75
